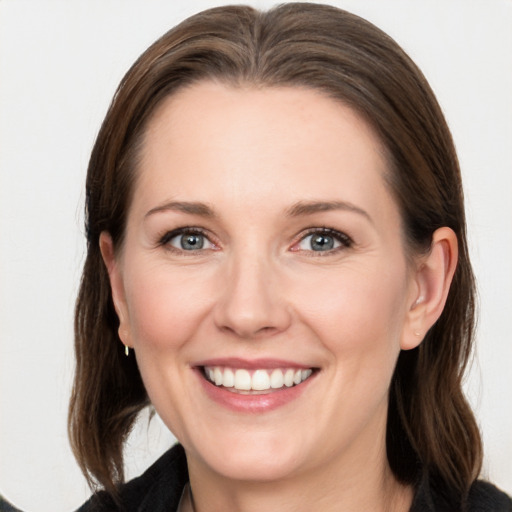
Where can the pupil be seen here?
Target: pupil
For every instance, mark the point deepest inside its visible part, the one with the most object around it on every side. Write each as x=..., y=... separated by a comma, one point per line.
x=322, y=243
x=189, y=242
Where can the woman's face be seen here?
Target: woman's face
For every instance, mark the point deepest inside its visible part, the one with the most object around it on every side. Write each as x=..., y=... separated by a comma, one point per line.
x=264, y=251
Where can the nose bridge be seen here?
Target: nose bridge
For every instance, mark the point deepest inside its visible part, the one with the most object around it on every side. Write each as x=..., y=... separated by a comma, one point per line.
x=252, y=302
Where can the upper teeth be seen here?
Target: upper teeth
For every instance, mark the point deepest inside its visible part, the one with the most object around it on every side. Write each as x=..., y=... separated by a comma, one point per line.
x=259, y=380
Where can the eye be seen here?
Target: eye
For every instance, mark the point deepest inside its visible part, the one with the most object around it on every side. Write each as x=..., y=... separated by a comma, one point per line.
x=323, y=240
x=187, y=240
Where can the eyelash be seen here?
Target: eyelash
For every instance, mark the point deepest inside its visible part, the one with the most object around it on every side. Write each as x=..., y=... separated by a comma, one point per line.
x=344, y=240
x=169, y=235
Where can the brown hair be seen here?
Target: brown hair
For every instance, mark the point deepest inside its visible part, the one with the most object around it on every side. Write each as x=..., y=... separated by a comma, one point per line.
x=431, y=431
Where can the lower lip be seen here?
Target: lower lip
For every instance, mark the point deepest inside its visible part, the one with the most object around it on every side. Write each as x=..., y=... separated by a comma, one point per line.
x=253, y=403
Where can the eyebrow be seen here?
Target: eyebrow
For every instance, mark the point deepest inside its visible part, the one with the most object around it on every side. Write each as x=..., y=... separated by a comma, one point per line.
x=191, y=207
x=311, y=207
x=298, y=209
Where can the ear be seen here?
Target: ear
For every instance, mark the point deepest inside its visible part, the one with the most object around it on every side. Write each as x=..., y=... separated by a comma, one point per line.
x=116, y=286
x=431, y=283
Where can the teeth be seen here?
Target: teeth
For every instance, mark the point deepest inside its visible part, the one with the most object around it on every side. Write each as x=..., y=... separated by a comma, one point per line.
x=242, y=380
x=228, y=380
x=260, y=380
x=218, y=377
x=288, y=378
x=257, y=380
x=276, y=379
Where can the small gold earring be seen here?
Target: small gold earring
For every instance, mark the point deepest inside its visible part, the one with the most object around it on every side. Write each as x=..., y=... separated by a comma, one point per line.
x=417, y=333
x=126, y=350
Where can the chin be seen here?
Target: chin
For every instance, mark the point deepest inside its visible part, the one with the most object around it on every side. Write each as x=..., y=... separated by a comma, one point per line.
x=273, y=468
x=253, y=459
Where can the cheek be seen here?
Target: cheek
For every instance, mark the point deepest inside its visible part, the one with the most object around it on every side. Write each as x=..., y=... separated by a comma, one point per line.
x=358, y=317
x=165, y=306
x=357, y=311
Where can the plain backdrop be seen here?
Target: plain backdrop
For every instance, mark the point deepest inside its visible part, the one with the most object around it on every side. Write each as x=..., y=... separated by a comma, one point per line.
x=60, y=62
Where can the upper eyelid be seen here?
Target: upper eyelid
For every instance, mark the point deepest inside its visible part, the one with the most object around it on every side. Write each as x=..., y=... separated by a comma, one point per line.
x=345, y=241
x=325, y=230
x=339, y=235
x=172, y=233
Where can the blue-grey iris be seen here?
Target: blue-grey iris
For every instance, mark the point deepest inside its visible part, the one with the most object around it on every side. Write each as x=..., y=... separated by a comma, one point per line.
x=322, y=242
x=191, y=242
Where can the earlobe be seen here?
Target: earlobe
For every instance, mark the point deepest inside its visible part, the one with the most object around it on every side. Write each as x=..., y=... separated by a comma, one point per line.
x=433, y=278
x=116, y=285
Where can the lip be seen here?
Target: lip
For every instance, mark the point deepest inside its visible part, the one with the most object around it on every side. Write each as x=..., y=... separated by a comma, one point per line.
x=248, y=403
x=252, y=364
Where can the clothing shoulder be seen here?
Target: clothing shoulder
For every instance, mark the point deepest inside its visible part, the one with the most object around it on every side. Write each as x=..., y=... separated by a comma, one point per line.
x=484, y=497
x=158, y=489
x=5, y=506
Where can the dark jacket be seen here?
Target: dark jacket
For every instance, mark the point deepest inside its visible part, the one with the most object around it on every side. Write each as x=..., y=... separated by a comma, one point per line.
x=159, y=490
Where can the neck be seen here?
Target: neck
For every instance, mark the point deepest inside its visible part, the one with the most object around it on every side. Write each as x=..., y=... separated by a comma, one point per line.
x=356, y=480
x=288, y=498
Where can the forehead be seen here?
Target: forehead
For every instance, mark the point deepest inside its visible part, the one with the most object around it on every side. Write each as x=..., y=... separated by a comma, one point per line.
x=304, y=113
x=242, y=143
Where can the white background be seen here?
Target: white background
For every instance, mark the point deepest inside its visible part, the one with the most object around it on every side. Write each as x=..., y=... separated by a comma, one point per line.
x=60, y=62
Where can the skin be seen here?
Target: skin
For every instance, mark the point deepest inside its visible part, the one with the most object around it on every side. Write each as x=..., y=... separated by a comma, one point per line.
x=258, y=289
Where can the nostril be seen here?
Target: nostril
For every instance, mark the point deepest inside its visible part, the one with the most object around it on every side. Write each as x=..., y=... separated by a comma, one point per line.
x=248, y=333
x=249, y=307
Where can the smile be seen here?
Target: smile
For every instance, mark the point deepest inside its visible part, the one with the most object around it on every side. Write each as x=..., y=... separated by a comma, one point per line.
x=242, y=380
x=254, y=386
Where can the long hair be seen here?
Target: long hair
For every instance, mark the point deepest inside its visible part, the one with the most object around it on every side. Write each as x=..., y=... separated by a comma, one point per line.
x=431, y=431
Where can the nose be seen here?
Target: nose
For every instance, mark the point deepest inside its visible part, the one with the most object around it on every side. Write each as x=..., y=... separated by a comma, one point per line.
x=251, y=303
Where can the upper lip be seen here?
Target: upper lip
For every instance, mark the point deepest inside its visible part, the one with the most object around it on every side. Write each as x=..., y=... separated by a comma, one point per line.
x=249, y=364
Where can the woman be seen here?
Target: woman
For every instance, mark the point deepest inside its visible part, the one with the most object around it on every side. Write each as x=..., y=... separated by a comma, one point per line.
x=277, y=262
